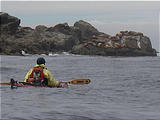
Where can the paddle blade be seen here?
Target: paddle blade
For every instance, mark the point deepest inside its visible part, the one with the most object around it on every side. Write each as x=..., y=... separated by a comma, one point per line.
x=79, y=81
x=5, y=83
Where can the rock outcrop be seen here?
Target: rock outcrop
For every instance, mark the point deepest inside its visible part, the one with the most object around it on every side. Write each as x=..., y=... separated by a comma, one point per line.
x=125, y=43
x=87, y=30
x=82, y=38
x=9, y=24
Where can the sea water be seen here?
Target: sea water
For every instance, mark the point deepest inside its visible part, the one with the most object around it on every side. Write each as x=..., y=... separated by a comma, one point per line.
x=121, y=88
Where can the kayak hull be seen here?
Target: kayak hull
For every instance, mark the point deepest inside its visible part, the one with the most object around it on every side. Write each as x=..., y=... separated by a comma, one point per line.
x=15, y=84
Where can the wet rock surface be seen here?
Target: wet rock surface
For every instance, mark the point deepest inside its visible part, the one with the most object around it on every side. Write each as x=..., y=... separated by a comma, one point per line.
x=82, y=38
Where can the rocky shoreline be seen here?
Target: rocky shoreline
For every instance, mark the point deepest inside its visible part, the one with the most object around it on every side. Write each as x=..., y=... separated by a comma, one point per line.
x=81, y=38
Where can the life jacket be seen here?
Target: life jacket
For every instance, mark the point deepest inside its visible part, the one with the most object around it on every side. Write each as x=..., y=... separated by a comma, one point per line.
x=37, y=76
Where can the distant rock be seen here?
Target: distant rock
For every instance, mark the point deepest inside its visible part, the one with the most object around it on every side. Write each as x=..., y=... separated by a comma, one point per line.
x=58, y=38
x=41, y=28
x=125, y=43
x=62, y=28
x=82, y=38
x=9, y=24
x=87, y=30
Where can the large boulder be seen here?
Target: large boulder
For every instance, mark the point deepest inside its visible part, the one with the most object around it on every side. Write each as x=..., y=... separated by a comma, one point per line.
x=8, y=24
x=145, y=43
x=135, y=40
x=67, y=30
x=63, y=42
x=130, y=42
x=62, y=28
x=24, y=32
x=87, y=30
x=40, y=28
x=55, y=38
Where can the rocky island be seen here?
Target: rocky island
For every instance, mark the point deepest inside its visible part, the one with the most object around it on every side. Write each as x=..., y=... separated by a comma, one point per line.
x=81, y=38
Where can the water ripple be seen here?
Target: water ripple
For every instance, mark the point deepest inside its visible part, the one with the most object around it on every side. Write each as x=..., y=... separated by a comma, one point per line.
x=121, y=88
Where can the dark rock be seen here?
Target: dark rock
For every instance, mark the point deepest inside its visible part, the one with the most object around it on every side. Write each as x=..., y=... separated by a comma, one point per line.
x=133, y=33
x=40, y=28
x=145, y=43
x=8, y=24
x=87, y=30
x=63, y=42
x=129, y=43
x=82, y=38
x=76, y=35
x=23, y=32
x=62, y=28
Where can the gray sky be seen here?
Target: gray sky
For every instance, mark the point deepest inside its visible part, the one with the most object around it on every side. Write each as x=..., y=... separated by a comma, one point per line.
x=106, y=16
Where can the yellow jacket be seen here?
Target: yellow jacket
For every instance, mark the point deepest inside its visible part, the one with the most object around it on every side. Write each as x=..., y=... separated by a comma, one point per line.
x=47, y=74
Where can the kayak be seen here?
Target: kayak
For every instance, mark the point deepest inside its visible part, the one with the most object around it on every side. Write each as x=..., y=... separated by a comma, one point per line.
x=15, y=84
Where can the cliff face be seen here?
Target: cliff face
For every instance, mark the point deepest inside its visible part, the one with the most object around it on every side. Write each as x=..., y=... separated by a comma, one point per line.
x=82, y=38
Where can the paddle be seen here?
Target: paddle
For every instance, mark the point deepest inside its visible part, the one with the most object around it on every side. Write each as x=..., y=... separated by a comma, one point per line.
x=75, y=82
x=78, y=81
x=5, y=83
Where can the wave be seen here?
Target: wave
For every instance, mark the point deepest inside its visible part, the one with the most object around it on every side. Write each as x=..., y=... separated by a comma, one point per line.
x=61, y=54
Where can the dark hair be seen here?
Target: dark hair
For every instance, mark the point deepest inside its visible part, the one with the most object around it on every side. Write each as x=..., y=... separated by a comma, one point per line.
x=41, y=60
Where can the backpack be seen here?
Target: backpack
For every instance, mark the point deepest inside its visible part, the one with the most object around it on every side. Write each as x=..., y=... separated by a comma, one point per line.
x=37, y=75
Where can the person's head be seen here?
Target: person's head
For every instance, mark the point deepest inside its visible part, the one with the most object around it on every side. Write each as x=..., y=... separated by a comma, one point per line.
x=41, y=60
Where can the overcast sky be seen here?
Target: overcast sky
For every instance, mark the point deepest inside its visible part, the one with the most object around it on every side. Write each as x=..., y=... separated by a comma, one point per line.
x=106, y=16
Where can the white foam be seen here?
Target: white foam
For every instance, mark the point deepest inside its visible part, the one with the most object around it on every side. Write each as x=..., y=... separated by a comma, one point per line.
x=66, y=53
x=53, y=55
x=24, y=53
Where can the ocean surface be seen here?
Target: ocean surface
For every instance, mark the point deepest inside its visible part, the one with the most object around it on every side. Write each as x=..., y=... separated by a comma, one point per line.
x=121, y=88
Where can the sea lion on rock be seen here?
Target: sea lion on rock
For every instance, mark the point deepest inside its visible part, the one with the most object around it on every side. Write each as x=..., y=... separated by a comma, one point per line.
x=124, y=31
x=89, y=43
x=99, y=44
x=117, y=45
x=112, y=37
x=94, y=37
x=107, y=46
x=101, y=35
x=119, y=34
x=123, y=45
x=93, y=43
x=139, y=33
x=85, y=44
x=104, y=35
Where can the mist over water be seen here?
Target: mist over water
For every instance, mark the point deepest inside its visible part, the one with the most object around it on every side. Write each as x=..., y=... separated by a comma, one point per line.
x=121, y=88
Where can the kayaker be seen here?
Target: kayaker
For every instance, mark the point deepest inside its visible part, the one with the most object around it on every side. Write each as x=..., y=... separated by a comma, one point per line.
x=39, y=75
